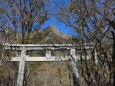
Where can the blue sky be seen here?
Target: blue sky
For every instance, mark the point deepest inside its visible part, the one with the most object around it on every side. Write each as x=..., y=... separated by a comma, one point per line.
x=53, y=9
x=61, y=26
x=53, y=21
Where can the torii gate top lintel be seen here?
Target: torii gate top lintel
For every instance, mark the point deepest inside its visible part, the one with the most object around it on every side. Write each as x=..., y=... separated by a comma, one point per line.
x=45, y=46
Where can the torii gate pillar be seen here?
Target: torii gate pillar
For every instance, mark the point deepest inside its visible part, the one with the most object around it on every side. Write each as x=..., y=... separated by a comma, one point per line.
x=21, y=68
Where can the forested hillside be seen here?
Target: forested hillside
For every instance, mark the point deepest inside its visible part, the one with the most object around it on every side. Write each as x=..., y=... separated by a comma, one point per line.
x=37, y=73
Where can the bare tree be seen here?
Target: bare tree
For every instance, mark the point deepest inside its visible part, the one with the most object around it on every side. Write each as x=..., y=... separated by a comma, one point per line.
x=23, y=16
x=93, y=20
x=18, y=16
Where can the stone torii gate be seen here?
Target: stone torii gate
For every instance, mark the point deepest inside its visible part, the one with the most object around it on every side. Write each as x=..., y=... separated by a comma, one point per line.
x=48, y=57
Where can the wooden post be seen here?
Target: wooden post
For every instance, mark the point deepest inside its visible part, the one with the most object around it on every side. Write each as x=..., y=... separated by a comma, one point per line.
x=74, y=67
x=21, y=68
